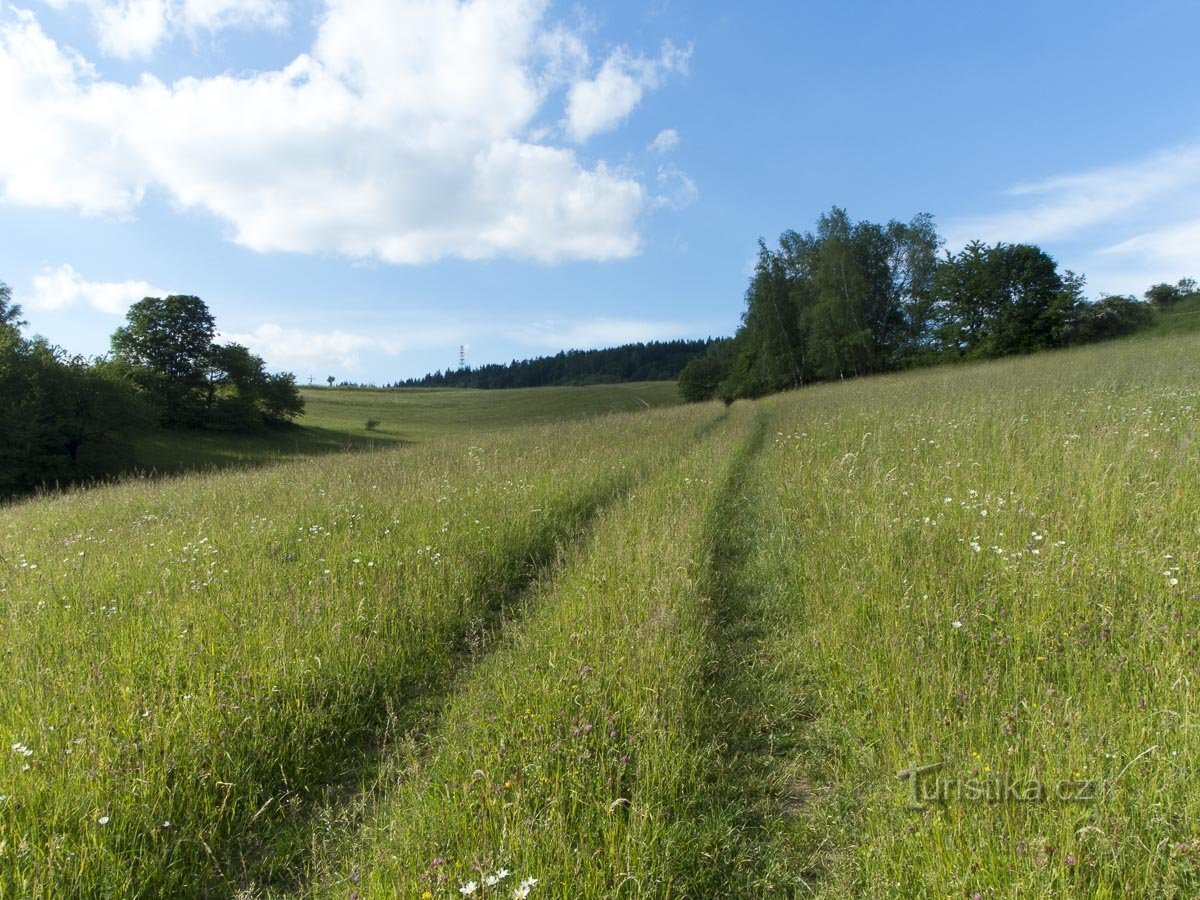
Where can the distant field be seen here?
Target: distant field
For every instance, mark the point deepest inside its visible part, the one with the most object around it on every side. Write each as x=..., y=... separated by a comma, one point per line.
x=335, y=421
x=927, y=635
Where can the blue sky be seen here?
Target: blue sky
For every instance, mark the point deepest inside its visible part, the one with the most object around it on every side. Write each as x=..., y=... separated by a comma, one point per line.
x=357, y=187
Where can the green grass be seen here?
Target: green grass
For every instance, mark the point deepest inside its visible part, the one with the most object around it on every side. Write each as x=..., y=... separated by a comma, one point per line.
x=1183, y=318
x=685, y=652
x=335, y=421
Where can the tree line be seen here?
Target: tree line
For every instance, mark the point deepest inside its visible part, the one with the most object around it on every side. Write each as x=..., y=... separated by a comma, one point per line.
x=652, y=361
x=857, y=298
x=64, y=418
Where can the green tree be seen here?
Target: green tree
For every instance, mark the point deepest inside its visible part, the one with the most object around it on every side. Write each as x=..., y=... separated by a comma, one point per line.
x=1004, y=299
x=10, y=314
x=701, y=378
x=244, y=397
x=61, y=418
x=1164, y=295
x=168, y=342
x=1111, y=317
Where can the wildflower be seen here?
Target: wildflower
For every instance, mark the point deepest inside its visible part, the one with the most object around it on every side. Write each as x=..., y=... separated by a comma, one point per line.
x=104, y=820
x=469, y=888
x=956, y=624
x=493, y=880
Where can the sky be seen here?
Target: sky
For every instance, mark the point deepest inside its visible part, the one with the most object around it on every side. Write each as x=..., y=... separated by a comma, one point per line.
x=357, y=188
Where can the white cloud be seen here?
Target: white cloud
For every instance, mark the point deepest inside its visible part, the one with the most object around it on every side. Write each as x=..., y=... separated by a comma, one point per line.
x=1125, y=226
x=403, y=136
x=593, y=333
x=676, y=189
x=602, y=103
x=1175, y=247
x=64, y=288
x=314, y=351
x=135, y=28
x=297, y=349
x=666, y=141
x=1067, y=206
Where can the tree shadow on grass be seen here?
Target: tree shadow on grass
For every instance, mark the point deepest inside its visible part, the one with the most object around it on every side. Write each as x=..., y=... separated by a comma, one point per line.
x=176, y=452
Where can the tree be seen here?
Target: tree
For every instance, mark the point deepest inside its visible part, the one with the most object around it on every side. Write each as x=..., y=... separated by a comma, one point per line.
x=168, y=342
x=167, y=348
x=279, y=399
x=10, y=314
x=847, y=299
x=1004, y=299
x=1111, y=317
x=1164, y=295
x=331, y=380
x=61, y=418
x=701, y=378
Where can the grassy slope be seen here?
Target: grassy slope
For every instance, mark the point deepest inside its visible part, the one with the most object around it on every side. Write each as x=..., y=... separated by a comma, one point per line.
x=335, y=421
x=986, y=566
x=992, y=568
x=212, y=651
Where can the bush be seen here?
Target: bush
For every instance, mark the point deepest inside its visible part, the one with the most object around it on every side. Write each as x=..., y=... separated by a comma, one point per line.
x=1111, y=317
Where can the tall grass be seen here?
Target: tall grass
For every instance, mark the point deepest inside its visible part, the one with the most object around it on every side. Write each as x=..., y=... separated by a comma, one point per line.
x=692, y=652
x=993, y=569
x=186, y=664
x=574, y=755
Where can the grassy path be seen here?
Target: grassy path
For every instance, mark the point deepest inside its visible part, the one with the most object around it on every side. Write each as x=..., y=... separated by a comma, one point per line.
x=752, y=719
x=570, y=755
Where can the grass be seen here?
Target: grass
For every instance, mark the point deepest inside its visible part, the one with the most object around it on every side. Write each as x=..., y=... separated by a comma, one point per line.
x=685, y=652
x=335, y=421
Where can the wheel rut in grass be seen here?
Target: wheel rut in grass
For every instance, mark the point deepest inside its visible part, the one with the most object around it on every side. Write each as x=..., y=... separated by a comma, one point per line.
x=278, y=860
x=756, y=726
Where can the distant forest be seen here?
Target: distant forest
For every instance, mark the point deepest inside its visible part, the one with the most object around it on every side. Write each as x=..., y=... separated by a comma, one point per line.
x=653, y=361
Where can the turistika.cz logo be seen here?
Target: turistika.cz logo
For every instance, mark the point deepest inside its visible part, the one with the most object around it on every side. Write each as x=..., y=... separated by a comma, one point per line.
x=934, y=784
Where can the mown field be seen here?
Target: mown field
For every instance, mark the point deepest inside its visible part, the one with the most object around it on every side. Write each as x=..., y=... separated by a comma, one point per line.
x=933, y=634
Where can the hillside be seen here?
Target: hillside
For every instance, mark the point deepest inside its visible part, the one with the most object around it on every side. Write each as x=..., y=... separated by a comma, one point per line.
x=335, y=421
x=925, y=634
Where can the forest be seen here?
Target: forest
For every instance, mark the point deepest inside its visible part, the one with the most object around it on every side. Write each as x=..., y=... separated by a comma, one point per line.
x=652, y=361
x=858, y=298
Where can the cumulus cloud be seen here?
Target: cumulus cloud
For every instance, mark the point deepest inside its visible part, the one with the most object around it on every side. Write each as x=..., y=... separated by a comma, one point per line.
x=405, y=135
x=601, y=103
x=135, y=28
x=64, y=288
x=666, y=141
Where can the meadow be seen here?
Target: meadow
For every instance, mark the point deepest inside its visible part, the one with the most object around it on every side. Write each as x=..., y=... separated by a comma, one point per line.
x=335, y=421
x=930, y=634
